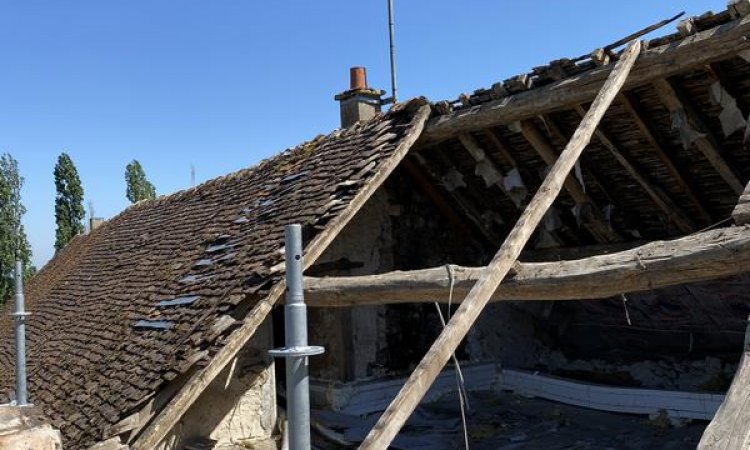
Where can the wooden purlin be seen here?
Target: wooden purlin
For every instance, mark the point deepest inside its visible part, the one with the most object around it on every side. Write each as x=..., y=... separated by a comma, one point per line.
x=699, y=257
x=705, y=47
x=389, y=424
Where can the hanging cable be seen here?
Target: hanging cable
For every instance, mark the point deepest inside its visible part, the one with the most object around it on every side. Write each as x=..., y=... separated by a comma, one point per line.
x=463, y=398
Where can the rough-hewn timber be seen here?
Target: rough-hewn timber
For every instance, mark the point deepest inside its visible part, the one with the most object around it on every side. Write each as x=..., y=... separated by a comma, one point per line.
x=659, y=62
x=703, y=256
x=389, y=424
x=741, y=213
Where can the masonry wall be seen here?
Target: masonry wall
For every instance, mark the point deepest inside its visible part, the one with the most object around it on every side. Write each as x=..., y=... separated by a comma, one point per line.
x=239, y=407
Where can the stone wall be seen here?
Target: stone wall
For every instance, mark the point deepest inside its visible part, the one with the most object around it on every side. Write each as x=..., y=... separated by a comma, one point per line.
x=25, y=429
x=239, y=407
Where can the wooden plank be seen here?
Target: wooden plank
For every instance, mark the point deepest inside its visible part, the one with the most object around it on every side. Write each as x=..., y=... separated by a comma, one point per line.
x=700, y=257
x=455, y=331
x=636, y=114
x=662, y=200
x=702, y=48
x=708, y=144
x=596, y=223
x=179, y=404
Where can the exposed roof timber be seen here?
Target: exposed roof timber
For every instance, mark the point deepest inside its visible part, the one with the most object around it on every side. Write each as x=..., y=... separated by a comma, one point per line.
x=596, y=223
x=474, y=149
x=741, y=213
x=502, y=148
x=699, y=49
x=637, y=114
x=425, y=184
x=717, y=73
x=555, y=132
x=662, y=200
x=673, y=98
x=170, y=415
x=702, y=256
x=466, y=207
x=415, y=388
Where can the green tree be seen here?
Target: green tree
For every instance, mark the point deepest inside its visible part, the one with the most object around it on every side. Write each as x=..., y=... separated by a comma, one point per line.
x=69, y=212
x=13, y=242
x=138, y=186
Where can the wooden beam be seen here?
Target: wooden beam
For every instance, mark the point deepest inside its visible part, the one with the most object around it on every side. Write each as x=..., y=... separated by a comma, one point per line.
x=674, y=213
x=730, y=427
x=741, y=213
x=596, y=223
x=424, y=184
x=467, y=208
x=501, y=148
x=637, y=115
x=555, y=132
x=717, y=73
x=472, y=147
x=389, y=424
x=702, y=48
x=168, y=417
x=700, y=257
x=707, y=143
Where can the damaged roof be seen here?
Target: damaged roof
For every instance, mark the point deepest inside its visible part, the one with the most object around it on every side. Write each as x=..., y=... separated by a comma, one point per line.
x=159, y=290
x=669, y=158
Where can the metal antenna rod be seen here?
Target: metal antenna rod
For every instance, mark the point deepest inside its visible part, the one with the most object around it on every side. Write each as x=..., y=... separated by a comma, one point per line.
x=20, y=316
x=296, y=350
x=391, y=32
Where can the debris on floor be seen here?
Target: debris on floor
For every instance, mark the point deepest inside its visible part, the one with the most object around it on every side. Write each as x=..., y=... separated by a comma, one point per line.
x=506, y=421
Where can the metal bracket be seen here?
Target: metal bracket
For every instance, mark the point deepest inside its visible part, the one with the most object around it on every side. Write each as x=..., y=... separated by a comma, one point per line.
x=287, y=352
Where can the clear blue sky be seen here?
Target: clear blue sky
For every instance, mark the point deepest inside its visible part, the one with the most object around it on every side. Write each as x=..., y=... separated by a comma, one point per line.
x=223, y=84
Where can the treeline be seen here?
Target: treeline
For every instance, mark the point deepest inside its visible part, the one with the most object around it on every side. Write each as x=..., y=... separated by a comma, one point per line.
x=69, y=212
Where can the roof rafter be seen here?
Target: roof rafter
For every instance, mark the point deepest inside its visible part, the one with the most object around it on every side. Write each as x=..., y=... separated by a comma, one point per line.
x=672, y=97
x=466, y=207
x=422, y=179
x=662, y=200
x=597, y=225
x=637, y=115
x=471, y=145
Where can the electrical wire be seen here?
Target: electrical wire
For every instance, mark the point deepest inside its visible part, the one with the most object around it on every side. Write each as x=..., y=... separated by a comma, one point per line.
x=463, y=399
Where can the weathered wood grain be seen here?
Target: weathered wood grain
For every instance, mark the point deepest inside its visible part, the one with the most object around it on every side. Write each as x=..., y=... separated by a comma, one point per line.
x=702, y=48
x=389, y=424
x=703, y=256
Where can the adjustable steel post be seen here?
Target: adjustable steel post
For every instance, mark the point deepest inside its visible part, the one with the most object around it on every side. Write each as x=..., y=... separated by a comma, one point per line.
x=20, y=318
x=296, y=351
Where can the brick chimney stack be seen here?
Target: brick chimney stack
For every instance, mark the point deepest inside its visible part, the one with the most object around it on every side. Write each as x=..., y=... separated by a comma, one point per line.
x=359, y=102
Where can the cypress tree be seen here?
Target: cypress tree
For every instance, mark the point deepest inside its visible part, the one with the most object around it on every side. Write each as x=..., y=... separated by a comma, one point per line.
x=138, y=186
x=13, y=242
x=69, y=211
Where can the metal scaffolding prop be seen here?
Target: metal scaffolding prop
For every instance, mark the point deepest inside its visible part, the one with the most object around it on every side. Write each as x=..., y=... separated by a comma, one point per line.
x=296, y=351
x=20, y=319
x=421, y=379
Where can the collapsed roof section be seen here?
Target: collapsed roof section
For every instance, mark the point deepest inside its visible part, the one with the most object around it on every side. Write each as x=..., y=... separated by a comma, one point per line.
x=168, y=285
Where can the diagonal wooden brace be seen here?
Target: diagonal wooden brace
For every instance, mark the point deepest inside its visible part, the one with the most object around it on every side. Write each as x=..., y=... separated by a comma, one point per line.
x=389, y=424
